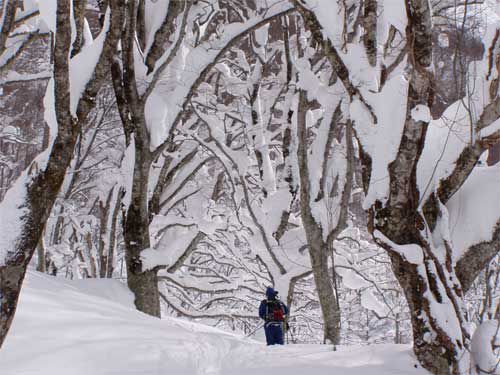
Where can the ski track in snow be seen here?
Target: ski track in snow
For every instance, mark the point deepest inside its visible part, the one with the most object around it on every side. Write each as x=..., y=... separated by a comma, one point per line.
x=91, y=328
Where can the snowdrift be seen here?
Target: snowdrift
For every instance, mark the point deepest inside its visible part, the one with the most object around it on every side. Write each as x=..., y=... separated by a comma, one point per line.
x=91, y=328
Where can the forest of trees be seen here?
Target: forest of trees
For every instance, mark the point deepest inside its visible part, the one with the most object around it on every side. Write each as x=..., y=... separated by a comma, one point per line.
x=345, y=152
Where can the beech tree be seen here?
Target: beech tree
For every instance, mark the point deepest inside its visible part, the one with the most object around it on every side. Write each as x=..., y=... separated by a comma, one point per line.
x=69, y=98
x=414, y=186
x=154, y=81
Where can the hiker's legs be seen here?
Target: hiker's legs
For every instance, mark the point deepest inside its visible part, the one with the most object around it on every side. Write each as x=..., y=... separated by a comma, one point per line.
x=274, y=334
x=267, y=331
x=279, y=335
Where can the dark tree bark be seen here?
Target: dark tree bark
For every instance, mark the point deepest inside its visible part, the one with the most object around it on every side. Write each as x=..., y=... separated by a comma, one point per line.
x=143, y=283
x=79, y=17
x=370, y=26
x=102, y=251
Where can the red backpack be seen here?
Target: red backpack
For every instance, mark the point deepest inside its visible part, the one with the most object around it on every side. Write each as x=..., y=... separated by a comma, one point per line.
x=275, y=311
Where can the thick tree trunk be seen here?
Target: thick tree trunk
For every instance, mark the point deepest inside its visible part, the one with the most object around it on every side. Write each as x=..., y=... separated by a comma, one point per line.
x=144, y=284
x=423, y=264
x=434, y=346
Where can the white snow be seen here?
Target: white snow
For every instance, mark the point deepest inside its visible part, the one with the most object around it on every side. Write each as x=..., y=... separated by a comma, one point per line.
x=15, y=76
x=446, y=138
x=443, y=40
x=126, y=172
x=351, y=279
x=390, y=108
x=155, y=13
x=82, y=66
x=90, y=327
x=48, y=12
x=421, y=113
x=474, y=209
x=484, y=356
x=394, y=13
x=412, y=252
x=184, y=70
x=172, y=245
x=12, y=215
x=371, y=302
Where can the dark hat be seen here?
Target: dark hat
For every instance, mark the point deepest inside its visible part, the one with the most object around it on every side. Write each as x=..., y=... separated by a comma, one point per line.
x=270, y=292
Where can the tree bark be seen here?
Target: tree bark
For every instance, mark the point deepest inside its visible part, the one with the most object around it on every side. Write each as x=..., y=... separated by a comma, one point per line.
x=322, y=278
x=144, y=284
x=102, y=251
x=112, y=234
x=43, y=190
x=430, y=282
x=318, y=248
x=43, y=186
x=41, y=255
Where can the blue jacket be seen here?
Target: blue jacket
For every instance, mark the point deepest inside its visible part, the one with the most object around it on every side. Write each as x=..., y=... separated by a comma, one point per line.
x=271, y=296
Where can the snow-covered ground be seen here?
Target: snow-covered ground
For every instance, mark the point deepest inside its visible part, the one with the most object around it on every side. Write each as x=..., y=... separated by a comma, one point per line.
x=91, y=328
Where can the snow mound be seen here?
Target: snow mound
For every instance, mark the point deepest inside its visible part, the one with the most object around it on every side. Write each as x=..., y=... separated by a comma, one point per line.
x=90, y=327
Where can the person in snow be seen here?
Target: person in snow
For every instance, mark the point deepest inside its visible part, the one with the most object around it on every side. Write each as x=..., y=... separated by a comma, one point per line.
x=273, y=311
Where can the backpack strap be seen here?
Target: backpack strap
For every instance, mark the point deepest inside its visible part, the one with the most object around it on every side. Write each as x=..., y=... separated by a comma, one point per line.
x=267, y=302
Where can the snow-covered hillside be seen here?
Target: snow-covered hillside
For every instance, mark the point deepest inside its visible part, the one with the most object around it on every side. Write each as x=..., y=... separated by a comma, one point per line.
x=91, y=328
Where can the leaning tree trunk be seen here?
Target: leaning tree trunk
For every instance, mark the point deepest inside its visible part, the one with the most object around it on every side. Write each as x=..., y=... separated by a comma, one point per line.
x=40, y=183
x=42, y=192
x=42, y=189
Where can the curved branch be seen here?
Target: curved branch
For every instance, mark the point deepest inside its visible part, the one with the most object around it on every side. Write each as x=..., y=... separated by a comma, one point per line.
x=200, y=236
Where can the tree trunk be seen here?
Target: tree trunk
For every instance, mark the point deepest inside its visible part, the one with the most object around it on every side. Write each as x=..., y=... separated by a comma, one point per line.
x=41, y=182
x=431, y=287
x=318, y=248
x=112, y=235
x=42, y=192
x=435, y=346
x=42, y=189
x=40, y=267
x=324, y=287
x=144, y=284
x=102, y=251
x=397, y=335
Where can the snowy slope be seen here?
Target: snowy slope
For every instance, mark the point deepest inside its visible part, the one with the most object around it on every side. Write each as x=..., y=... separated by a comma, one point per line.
x=90, y=328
